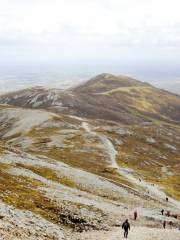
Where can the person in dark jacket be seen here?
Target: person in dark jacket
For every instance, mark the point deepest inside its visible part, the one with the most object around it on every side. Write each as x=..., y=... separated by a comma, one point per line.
x=170, y=224
x=164, y=224
x=126, y=227
x=162, y=211
x=135, y=215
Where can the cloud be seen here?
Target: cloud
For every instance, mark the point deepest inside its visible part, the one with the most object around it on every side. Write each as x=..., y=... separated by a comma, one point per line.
x=88, y=29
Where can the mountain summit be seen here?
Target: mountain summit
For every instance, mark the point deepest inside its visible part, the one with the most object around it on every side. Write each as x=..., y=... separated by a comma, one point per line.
x=106, y=96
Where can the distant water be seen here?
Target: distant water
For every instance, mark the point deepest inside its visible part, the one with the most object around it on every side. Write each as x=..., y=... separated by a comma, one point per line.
x=63, y=76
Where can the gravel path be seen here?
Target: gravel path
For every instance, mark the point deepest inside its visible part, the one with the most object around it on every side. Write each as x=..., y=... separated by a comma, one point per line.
x=136, y=233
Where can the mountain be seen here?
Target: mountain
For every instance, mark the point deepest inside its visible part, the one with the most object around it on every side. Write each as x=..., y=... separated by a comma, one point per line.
x=85, y=158
x=106, y=96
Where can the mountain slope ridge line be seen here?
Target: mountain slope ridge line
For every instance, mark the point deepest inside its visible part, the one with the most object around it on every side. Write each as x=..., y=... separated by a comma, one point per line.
x=127, y=173
x=106, y=96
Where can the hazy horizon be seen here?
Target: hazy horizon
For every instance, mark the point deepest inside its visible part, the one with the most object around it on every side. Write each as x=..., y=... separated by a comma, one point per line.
x=64, y=75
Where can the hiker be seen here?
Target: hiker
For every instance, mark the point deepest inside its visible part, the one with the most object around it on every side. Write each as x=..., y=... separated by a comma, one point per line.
x=126, y=227
x=168, y=213
x=167, y=199
x=162, y=211
x=135, y=215
x=170, y=224
x=164, y=224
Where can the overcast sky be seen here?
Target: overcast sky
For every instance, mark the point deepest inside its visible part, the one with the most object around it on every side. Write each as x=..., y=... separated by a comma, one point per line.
x=90, y=30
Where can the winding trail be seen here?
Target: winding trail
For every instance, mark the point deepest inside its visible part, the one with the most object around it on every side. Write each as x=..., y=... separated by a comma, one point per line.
x=108, y=146
x=148, y=188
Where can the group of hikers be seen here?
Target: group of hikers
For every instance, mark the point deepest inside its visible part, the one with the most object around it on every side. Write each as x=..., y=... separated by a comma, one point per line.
x=126, y=224
x=168, y=214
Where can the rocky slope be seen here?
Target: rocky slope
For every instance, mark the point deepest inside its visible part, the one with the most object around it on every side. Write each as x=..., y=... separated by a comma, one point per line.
x=65, y=170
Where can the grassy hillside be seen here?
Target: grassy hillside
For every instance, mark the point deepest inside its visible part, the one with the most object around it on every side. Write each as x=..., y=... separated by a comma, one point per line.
x=118, y=98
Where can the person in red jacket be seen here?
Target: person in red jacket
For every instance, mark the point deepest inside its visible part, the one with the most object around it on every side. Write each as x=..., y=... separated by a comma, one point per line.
x=168, y=213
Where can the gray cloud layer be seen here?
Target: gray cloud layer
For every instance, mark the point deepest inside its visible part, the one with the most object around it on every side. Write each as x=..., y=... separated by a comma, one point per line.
x=82, y=29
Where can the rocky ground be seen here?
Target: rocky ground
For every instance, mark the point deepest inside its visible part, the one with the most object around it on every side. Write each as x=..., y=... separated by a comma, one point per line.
x=19, y=224
x=16, y=224
x=136, y=233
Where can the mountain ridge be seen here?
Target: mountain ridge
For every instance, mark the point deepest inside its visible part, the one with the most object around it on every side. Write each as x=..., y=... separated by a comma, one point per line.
x=106, y=96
